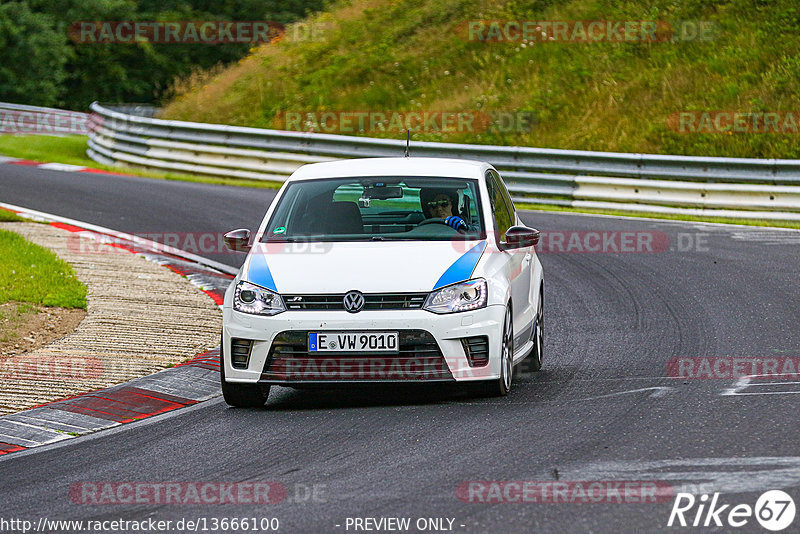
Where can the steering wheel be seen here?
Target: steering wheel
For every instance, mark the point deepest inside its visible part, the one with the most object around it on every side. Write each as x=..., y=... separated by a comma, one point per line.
x=438, y=221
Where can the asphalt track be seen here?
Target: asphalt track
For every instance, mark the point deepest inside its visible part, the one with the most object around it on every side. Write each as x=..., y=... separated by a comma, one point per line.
x=603, y=408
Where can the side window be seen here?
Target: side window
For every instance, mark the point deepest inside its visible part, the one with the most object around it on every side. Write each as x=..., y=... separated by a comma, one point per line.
x=500, y=214
x=506, y=197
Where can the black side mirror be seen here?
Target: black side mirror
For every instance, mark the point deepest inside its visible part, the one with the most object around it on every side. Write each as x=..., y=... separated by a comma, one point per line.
x=238, y=240
x=521, y=237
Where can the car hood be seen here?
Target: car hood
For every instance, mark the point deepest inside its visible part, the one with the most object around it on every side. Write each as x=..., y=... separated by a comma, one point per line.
x=369, y=267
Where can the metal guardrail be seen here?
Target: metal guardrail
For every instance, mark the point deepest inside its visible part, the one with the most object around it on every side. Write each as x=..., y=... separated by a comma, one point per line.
x=140, y=110
x=28, y=120
x=727, y=187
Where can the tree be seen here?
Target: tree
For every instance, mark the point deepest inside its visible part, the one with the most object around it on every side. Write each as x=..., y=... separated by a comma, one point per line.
x=39, y=63
x=33, y=56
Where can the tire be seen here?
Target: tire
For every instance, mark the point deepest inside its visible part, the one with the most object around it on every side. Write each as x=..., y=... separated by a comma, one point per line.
x=500, y=387
x=241, y=395
x=537, y=354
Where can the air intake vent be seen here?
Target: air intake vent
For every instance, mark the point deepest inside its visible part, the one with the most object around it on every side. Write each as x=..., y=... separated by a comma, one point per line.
x=418, y=359
x=240, y=352
x=477, y=350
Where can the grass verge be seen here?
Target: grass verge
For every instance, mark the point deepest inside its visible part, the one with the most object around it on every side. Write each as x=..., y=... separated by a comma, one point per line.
x=72, y=150
x=30, y=273
x=9, y=216
x=614, y=94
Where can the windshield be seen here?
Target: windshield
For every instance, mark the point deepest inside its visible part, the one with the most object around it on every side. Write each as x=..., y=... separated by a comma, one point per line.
x=377, y=208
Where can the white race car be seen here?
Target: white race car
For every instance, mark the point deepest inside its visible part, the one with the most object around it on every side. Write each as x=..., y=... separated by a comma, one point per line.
x=384, y=270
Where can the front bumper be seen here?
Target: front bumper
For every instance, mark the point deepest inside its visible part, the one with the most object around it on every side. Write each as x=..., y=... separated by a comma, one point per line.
x=444, y=332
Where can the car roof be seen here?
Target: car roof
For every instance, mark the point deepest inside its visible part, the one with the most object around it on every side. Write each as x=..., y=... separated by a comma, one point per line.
x=416, y=166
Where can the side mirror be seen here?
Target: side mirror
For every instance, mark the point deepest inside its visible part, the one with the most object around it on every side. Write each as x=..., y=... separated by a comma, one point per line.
x=521, y=237
x=238, y=240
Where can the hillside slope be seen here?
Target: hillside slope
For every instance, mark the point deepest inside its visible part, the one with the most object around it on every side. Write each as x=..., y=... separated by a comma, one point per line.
x=398, y=56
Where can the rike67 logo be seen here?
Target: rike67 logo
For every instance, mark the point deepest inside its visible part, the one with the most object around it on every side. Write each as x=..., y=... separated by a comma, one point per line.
x=774, y=510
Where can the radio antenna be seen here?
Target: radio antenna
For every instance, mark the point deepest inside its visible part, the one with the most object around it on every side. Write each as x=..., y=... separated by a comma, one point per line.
x=408, y=142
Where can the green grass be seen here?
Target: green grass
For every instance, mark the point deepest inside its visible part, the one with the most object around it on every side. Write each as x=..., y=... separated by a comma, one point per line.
x=69, y=149
x=411, y=55
x=30, y=273
x=72, y=150
x=9, y=216
x=74, y=434
x=672, y=217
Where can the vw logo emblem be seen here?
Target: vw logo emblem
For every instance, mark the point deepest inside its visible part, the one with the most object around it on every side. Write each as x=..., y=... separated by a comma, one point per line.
x=353, y=301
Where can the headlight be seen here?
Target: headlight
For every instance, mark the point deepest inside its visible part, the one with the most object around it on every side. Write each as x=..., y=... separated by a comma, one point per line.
x=463, y=296
x=250, y=298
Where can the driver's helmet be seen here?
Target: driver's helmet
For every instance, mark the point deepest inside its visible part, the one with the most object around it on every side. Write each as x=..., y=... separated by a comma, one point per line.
x=427, y=194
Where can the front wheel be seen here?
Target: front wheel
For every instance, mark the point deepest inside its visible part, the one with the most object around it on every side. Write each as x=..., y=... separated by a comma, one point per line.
x=500, y=387
x=241, y=395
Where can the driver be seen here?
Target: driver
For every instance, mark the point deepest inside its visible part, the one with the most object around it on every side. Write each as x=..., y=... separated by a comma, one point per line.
x=441, y=204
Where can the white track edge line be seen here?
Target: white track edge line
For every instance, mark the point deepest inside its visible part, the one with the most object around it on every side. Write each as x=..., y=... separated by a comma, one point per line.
x=155, y=246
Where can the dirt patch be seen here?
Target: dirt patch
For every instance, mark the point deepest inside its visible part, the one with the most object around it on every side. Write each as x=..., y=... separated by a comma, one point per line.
x=25, y=327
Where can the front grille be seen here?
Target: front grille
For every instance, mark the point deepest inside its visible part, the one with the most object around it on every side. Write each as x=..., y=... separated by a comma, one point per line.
x=477, y=350
x=372, y=301
x=418, y=359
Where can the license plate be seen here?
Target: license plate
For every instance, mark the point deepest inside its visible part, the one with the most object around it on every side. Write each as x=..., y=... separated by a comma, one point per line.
x=353, y=341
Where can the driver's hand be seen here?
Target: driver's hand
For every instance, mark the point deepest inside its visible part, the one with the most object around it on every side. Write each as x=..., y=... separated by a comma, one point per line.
x=456, y=222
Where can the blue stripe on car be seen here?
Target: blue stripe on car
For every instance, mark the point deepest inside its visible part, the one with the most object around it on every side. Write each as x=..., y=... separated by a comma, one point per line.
x=259, y=273
x=462, y=268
